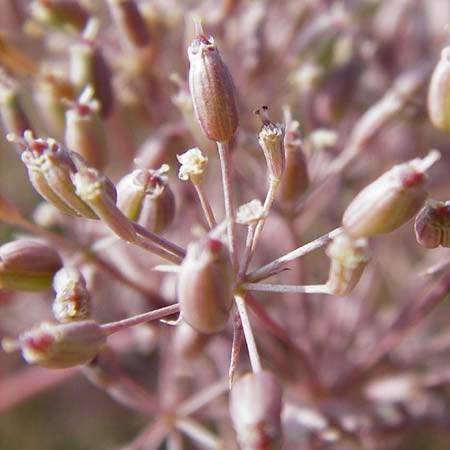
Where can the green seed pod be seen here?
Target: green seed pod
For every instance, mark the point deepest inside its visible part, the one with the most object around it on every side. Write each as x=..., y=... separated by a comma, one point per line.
x=72, y=301
x=205, y=286
x=212, y=89
x=58, y=346
x=439, y=93
x=145, y=197
x=27, y=265
x=389, y=201
x=255, y=409
x=433, y=224
x=348, y=260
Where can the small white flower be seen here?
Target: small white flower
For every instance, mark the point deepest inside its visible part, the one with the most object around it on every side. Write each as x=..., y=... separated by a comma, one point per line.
x=193, y=164
x=250, y=213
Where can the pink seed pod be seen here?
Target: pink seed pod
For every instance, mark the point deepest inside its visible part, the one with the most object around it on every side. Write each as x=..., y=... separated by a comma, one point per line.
x=58, y=346
x=348, y=257
x=205, y=285
x=187, y=342
x=212, y=89
x=271, y=140
x=439, y=93
x=72, y=301
x=433, y=224
x=255, y=409
x=130, y=22
x=391, y=200
x=27, y=265
x=145, y=197
x=295, y=179
x=84, y=132
x=60, y=13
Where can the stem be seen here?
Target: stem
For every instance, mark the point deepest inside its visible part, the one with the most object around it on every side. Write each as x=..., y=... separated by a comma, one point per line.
x=225, y=165
x=253, y=354
x=248, y=251
x=277, y=265
x=148, y=245
x=205, y=205
x=198, y=433
x=286, y=288
x=235, y=347
x=273, y=184
x=114, y=327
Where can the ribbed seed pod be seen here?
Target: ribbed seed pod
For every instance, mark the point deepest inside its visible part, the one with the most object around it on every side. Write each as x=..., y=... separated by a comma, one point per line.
x=27, y=265
x=72, y=301
x=60, y=13
x=348, y=259
x=271, y=140
x=295, y=179
x=129, y=19
x=433, y=224
x=50, y=168
x=212, y=89
x=88, y=67
x=11, y=112
x=145, y=197
x=58, y=346
x=389, y=201
x=205, y=285
x=255, y=409
x=439, y=93
x=84, y=132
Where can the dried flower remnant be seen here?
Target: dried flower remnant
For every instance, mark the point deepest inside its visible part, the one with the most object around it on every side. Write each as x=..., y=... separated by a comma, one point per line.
x=433, y=224
x=348, y=258
x=58, y=346
x=250, y=213
x=145, y=196
x=205, y=284
x=271, y=140
x=391, y=200
x=72, y=301
x=255, y=409
x=439, y=93
x=27, y=265
x=212, y=89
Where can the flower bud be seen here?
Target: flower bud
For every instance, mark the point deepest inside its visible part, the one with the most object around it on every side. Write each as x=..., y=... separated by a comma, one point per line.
x=255, y=409
x=84, y=131
x=49, y=169
x=27, y=265
x=348, y=260
x=212, y=89
x=88, y=67
x=295, y=179
x=145, y=197
x=99, y=193
x=205, y=285
x=60, y=13
x=129, y=20
x=389, y=201
x=433, y=224
x=193, y=164
x=439, y=93
x=72, y=301
x=271, y=140
x=58, y=346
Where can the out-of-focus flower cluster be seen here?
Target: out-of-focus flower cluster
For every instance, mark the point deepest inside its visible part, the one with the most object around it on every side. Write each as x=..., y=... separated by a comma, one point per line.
x=234, y=275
